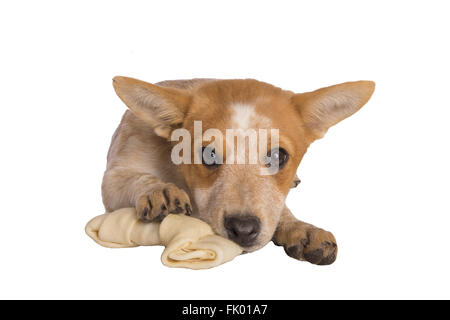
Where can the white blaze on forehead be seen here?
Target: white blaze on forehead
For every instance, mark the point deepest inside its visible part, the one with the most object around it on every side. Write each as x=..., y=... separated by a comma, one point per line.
x=245, y=125
x=242, y=115
x=245, y=117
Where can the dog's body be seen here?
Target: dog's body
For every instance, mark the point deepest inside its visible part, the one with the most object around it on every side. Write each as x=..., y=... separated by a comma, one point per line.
x=235, y=199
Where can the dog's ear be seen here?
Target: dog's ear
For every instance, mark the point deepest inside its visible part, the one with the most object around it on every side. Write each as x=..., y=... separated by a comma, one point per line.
x=325, y=107
x=162, y=107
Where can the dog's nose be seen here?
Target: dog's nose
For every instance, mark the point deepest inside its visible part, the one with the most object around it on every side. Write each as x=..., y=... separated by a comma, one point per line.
x=242, y=228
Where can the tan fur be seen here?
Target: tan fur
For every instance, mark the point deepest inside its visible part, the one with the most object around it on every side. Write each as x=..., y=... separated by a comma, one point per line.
x=140, y=172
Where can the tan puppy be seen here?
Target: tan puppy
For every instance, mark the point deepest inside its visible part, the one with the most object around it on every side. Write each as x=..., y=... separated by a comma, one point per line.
x=235, y=199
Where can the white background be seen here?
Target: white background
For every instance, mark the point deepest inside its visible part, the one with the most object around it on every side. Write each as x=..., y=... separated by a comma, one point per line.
x=379, y=180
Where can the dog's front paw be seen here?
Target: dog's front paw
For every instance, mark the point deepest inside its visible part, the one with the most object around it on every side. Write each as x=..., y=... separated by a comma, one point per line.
x=312, y=244
x=156, y=204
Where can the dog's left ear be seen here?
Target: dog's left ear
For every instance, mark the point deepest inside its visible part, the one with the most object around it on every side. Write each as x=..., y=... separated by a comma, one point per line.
x=325, y=107
x=163, y=108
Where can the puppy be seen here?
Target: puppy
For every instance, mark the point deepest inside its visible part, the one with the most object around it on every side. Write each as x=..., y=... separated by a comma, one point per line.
x=239, y=201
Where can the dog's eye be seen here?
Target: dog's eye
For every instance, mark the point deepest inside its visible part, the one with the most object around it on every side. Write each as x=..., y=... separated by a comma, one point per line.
x=278, y=157
x=209, y=158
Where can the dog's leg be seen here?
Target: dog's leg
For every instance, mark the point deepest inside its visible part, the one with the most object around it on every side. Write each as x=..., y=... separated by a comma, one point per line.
x=304, y=241
x=152, y=198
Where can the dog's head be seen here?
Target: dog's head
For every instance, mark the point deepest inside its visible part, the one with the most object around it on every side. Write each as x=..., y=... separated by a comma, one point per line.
x=237, y=192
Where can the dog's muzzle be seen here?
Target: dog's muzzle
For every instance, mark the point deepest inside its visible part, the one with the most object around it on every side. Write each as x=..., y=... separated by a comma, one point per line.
x=242, y=228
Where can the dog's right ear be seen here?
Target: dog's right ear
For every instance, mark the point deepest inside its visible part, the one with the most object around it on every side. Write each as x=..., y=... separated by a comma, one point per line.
x=325, y=107
x=163, y=108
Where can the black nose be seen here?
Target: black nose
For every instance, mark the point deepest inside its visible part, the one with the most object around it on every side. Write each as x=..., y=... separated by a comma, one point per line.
x=242, y=228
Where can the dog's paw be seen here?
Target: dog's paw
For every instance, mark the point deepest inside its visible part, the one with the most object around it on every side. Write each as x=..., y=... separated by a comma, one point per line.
x=312, y=244
x=162, y=200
